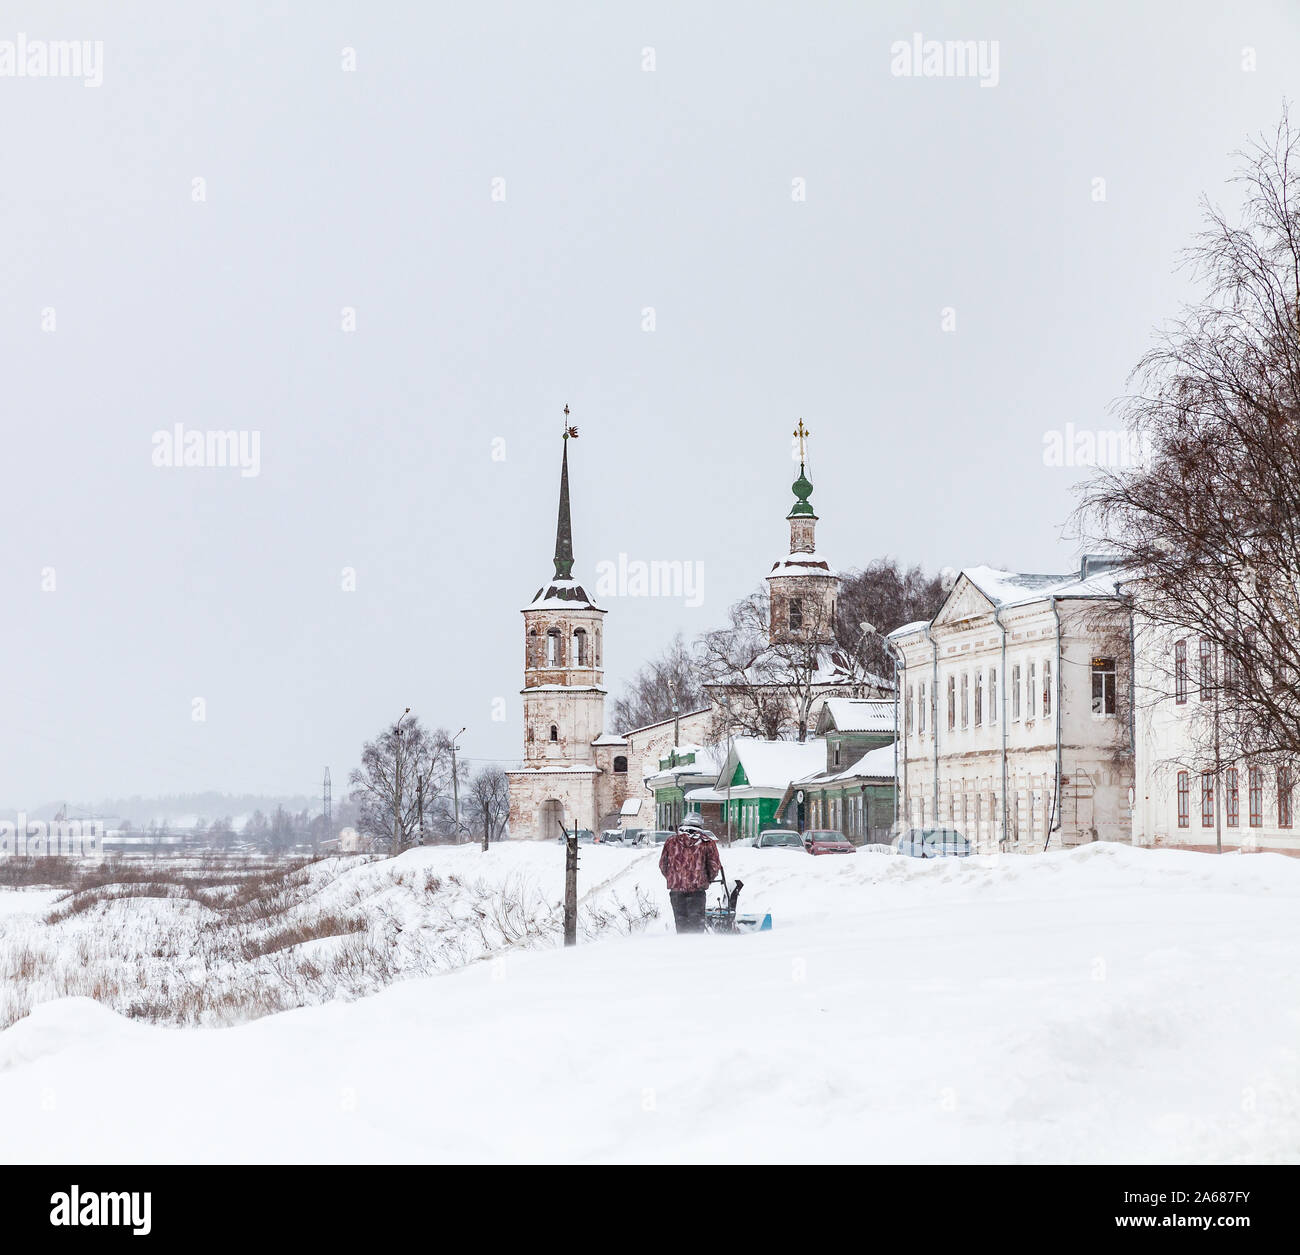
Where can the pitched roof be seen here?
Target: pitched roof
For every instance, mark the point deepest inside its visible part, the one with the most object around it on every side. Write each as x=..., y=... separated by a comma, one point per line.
x=857, y=714
x=685, y=714
x=773, y=764
x=1098, y=577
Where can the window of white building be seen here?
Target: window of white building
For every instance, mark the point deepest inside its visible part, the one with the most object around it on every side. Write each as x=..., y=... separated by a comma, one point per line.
x=1104, y=686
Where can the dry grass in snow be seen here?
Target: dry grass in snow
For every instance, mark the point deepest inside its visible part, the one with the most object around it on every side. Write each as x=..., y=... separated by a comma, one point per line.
x=219, y=941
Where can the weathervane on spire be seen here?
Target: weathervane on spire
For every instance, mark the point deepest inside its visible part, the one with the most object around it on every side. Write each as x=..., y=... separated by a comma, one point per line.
x=802, y=433
x=568, y=431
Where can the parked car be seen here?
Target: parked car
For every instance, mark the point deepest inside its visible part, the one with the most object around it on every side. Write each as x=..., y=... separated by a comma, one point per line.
x=778, y=839
x=876, y=847
x=827, y=841
x=932, y=843
x=614, y=836
x=585, y=837
x=657, y=837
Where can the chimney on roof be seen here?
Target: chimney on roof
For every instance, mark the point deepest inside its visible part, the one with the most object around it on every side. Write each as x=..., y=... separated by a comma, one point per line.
x=1095, y=563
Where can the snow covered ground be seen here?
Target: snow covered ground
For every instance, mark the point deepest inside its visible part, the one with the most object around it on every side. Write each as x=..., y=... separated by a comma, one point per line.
x=1101, y=1004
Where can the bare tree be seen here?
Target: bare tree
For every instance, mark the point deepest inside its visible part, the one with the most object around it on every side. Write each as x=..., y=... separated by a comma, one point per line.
x=886, y=596
x=769, y=688
x=489, y=794
x=648, y=696
x=731, y=659
x=1209, y=519
x=402, y=775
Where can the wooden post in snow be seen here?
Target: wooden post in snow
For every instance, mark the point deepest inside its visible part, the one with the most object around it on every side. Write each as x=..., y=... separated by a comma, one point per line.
x=570, y=884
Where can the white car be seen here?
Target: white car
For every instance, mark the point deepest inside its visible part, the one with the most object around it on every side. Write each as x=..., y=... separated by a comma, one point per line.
x=932, y=843
x=779, y=839
x=875, y=847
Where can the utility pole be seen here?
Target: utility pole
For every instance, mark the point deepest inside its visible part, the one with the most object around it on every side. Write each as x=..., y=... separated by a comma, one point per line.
x=327, y=809
x=570, y=884
x=397, y=784
x=455, y=782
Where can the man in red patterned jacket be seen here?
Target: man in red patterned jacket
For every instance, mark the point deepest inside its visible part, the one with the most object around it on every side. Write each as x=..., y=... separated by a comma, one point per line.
x=690, y=861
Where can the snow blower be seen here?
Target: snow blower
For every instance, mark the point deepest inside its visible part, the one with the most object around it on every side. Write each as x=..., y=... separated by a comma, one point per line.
x=724, y=918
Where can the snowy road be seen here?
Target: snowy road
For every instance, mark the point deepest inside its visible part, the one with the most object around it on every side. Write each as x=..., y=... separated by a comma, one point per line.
x=1106, y=1004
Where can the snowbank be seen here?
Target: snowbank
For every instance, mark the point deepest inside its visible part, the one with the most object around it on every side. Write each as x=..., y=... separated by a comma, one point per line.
x=1101, y=1004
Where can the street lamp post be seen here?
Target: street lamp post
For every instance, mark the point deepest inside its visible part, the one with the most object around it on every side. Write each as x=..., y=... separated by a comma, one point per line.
x=455, y=787
x=726, y=706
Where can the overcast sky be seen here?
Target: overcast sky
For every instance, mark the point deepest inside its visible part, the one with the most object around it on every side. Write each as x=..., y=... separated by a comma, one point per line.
x=421, y=449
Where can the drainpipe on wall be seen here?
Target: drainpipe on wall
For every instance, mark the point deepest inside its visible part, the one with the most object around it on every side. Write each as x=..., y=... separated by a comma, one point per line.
x=897, y=656
x=1055, y=821
x=1002, y=681
x=934, y=721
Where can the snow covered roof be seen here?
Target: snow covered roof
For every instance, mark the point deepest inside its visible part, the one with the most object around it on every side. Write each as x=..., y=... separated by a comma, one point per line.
x=773, y=764
x=876, y=764
x=609, y=738
x=564, y=688
x=553, y=771
x=1098, y=577
x=631, y=806
x=562, y=595
x=706, y=762
x=915, y=626
x=803, y=564
x=858, y=714
x=834, y=667
x=647, y=727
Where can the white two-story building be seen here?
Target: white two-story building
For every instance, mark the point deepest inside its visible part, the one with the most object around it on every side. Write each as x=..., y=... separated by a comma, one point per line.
x=1189, y=795
x=1015, y=706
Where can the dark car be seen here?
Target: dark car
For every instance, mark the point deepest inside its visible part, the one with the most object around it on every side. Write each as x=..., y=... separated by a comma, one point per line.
x=827, y=841
x=932, y=843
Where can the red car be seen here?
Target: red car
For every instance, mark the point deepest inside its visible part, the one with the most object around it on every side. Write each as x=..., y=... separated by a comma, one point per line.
x=825, y=841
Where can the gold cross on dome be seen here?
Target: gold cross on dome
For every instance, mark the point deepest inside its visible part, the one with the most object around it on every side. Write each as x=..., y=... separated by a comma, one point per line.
x=803, y=433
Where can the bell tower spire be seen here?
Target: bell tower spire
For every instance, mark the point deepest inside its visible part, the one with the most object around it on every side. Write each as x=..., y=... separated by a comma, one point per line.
x=561, y=780
x=564, y=525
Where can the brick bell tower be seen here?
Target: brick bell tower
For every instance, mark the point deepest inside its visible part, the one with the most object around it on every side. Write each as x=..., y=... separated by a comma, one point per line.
x=803, y=587
x=564, y=701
